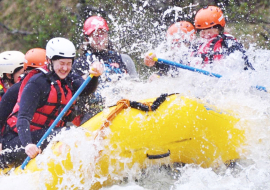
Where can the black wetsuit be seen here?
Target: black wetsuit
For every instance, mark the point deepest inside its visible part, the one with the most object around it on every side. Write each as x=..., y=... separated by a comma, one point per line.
x=90, y=106
x=164, y=69
x=82, y=63
x=7, y=104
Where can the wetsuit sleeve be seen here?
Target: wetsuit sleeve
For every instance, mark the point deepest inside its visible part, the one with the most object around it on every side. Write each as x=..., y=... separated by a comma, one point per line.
x=34, y=92
x=129, y=65
x=164, y=69
x=7, y=104
x=233, y=46
x=90, y=88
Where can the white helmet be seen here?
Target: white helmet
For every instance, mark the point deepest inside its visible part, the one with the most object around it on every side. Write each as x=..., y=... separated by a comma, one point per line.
x=9, y=61
x=60, y=47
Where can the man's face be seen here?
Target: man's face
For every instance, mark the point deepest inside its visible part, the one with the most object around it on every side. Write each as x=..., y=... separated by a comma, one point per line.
x=99, y=39
x=17, y=74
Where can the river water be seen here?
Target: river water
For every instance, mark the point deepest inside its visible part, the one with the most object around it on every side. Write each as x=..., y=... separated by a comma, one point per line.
x=232, y=92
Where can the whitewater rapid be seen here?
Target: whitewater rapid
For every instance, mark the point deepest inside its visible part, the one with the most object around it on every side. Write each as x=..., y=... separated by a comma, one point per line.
x=232, y=92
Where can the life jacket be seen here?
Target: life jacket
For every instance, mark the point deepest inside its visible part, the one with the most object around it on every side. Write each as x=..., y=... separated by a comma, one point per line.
x=45, y=115
x=214, y=48
x=2, y=89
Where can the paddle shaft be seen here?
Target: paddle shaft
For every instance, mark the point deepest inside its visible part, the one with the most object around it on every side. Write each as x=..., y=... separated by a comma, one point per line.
x=59, y=117
x=188, y=68
x=179, y=65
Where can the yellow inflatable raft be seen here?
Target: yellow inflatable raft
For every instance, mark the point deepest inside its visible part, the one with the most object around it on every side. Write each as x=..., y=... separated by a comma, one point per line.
x=176, y=129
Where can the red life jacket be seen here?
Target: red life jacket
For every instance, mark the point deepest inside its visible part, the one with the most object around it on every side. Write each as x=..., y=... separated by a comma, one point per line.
x=45, y=115
x=213, y=49
x=2, y=89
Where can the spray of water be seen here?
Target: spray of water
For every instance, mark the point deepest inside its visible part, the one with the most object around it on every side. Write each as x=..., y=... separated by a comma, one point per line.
x=231, y=92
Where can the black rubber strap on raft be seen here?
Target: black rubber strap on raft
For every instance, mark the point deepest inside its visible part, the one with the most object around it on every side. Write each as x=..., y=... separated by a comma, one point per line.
x=155, y=105
x=158, y=156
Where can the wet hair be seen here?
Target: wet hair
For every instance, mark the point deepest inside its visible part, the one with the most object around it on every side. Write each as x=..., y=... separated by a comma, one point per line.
x=17, y=69
x=11, y=80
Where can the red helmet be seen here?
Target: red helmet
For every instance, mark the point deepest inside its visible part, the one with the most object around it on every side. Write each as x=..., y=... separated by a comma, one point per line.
x=208, y=17
x=93, y=23
x=35, y=57
x=184, y=27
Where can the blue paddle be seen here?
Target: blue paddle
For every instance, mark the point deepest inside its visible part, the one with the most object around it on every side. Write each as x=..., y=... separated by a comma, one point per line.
x=179, y=65
x=59, y=117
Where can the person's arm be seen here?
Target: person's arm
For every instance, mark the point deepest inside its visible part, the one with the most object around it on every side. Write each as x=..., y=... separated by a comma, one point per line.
x=34, y=95
x=130, y=65
x=233, y=45
x=6, y=106
x=34, y=92
x=96, y=70
x=8, y=102
x=90, y=88
x=163, y=69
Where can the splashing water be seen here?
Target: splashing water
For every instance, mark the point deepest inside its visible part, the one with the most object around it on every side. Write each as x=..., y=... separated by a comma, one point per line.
x=231, y=92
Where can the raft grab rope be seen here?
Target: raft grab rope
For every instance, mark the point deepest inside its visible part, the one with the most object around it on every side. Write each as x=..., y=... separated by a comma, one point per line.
x=124, y=104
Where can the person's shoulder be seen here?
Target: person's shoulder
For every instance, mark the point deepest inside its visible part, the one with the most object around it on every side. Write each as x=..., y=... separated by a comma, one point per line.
x=125, y=56
x=230, y=41
x=227, y=36
x=73, y=76
x=38, y=78
x=114, y=53
x=38, y=83
x=80, y=64
x=16, y=85
x=80, y=59
x=14, y=88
